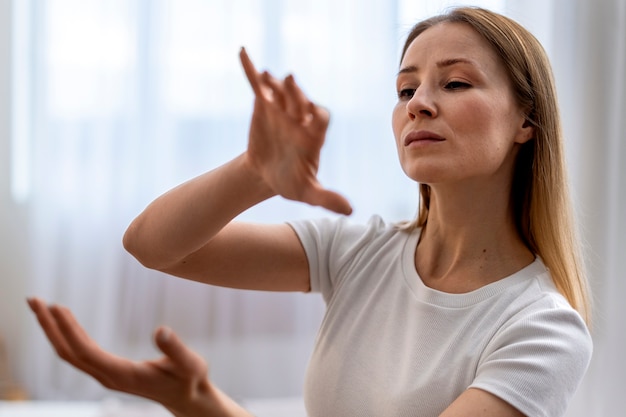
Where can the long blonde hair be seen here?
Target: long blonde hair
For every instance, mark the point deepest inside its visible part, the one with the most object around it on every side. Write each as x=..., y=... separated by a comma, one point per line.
x=540, y=193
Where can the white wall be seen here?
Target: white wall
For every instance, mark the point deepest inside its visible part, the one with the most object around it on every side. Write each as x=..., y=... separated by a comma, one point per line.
x=13, y=232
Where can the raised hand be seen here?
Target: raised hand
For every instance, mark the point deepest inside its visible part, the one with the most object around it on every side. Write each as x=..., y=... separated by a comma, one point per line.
x=287, y=133
x=178, y=380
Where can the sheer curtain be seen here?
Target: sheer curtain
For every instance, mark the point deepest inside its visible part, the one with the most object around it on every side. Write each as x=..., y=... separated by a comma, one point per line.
x=590, y=66
x=586, y=42
x=127, y=98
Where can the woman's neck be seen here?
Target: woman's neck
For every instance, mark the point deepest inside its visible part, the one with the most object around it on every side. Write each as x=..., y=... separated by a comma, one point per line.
x=470, y=240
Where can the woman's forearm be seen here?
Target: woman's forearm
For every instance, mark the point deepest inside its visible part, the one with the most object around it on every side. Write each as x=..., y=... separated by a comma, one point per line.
x=185, y=218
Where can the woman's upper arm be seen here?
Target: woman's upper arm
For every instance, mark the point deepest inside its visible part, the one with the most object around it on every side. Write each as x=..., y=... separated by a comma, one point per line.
x=478, y=403
x=249, y=256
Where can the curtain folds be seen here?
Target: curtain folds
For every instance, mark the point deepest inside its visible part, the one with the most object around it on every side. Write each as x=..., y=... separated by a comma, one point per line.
x=591, y=65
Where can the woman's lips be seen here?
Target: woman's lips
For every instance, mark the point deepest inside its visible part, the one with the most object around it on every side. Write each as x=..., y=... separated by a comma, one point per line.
x=421, y=136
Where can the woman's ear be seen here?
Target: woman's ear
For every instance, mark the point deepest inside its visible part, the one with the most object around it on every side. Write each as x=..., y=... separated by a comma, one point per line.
x=526, y=132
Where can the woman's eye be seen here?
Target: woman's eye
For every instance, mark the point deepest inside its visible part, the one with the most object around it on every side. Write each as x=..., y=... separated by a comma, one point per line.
x=456, y=85
x=406, y=93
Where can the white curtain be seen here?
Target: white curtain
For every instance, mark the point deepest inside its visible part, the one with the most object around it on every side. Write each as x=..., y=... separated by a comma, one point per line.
x=586, y=41
x=590, y=64
x=128, y=98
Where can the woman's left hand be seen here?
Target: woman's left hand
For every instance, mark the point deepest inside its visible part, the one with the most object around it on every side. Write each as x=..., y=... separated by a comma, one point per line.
x=178, y=380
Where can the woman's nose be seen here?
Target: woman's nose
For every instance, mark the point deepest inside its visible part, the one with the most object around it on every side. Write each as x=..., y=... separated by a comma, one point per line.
x=422, y=104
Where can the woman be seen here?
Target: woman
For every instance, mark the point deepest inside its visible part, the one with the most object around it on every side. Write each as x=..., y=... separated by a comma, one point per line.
x=454, y=314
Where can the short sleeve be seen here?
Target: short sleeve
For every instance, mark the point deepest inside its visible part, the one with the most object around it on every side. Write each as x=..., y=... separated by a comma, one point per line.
x=332, y=245
x=537, y=362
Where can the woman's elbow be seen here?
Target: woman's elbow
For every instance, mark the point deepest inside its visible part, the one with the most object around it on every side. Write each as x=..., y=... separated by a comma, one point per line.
x=138, y=247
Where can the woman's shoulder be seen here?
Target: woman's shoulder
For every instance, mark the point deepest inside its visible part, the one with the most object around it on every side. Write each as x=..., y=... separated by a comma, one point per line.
x=537, y=298
x=541, y=293
x=346, y=229
x=541, y=349
x=539, y=311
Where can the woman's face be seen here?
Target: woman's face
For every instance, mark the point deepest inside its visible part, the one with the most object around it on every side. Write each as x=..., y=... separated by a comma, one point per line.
x=456, y=118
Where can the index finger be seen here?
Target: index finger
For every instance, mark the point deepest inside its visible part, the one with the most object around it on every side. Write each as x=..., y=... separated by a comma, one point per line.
x=72, y=344
x=251, y=73
x=49, y=326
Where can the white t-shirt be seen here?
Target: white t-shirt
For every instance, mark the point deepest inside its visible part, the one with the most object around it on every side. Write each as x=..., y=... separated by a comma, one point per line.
x=390, y=346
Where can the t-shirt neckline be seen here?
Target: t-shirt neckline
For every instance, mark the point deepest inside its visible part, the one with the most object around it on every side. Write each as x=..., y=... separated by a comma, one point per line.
x=452, y=300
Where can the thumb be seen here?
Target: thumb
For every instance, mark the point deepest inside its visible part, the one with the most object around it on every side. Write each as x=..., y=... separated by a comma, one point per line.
x=186, y=361
x=330, y=200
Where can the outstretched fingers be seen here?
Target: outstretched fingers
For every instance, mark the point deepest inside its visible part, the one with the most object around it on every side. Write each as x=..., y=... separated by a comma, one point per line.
x=263, y=84
x=285, y=94
x=176, y=379
x=49, y=326
x=73, y=345
x=288, y=131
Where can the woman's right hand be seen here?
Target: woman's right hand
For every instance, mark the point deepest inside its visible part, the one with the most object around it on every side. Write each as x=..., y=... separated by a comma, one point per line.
x=189, y=231
x=287, y=133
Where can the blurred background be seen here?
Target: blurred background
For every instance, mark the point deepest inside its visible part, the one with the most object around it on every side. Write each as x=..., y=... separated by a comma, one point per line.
x=105, y=104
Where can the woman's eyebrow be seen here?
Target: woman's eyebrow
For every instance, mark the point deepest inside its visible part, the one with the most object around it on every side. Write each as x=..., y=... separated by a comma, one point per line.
x=454, y=61
x=407, y=70
x=441, y=64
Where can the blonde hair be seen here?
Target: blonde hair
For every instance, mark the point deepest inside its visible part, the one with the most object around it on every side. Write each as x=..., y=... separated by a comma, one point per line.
x=540, y=192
